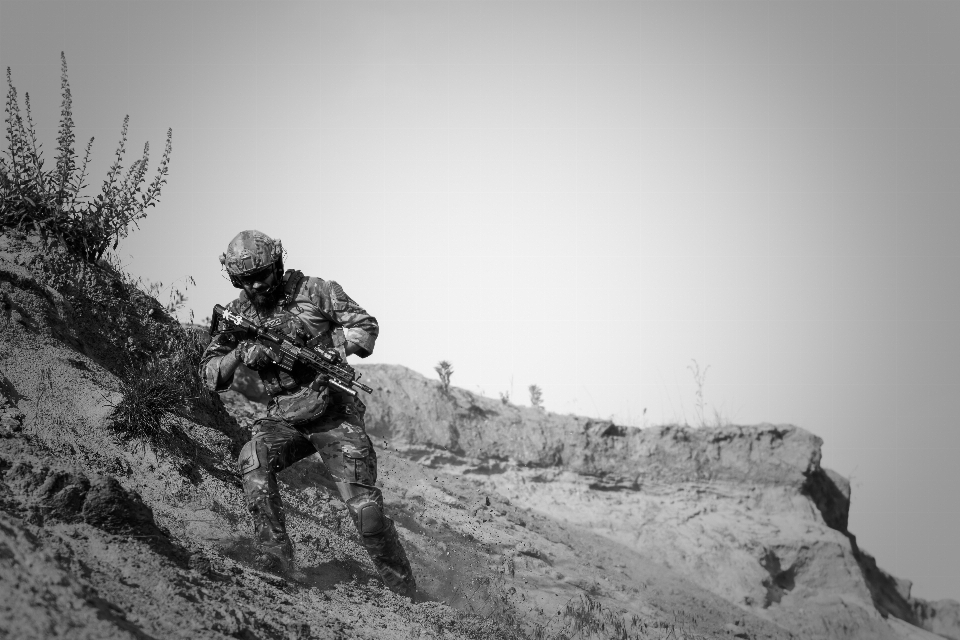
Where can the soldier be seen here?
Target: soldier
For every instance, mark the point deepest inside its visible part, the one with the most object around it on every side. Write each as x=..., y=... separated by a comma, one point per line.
x=304, y=415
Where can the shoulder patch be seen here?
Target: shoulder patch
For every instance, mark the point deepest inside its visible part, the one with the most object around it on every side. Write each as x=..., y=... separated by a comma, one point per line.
x=339, y=297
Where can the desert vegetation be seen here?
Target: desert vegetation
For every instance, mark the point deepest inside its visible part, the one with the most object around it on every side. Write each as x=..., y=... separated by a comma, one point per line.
x=536, y=396
x=119, y=319
x=53, y=202
x=445, y=370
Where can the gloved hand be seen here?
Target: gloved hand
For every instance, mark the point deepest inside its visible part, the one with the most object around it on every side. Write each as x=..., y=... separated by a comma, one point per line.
x=333, y=355
x=254, y=355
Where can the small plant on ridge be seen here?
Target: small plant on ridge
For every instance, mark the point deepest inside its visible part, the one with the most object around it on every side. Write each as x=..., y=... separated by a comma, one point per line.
x=699, y=377
x=445, y=370
x=536, y=396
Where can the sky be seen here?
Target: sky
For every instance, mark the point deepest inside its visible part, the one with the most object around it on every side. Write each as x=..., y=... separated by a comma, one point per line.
x=599, y=198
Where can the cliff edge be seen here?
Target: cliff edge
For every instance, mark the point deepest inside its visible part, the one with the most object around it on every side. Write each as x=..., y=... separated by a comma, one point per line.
x=747, y=511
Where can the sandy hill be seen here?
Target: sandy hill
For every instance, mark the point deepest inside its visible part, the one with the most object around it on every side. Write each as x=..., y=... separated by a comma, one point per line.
x=120, y=520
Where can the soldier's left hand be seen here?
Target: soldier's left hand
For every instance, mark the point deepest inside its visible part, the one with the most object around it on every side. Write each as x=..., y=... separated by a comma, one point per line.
x=254, y=355
x=333, y=355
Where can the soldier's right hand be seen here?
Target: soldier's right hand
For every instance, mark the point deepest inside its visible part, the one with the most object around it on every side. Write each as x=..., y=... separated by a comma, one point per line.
x=254, y=355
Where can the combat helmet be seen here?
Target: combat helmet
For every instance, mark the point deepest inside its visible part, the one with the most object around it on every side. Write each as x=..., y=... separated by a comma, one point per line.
x=251, y=251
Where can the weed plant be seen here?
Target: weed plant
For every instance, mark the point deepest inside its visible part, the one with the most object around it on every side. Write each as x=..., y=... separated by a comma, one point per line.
x=52, y=202
x=445, y=370
x=149, y=393
x=536, y=396
x=699, y=378
x=112, y=317
x=699, y=381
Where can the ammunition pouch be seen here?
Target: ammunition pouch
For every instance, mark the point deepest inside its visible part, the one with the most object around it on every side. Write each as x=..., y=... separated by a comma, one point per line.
x=301, y=406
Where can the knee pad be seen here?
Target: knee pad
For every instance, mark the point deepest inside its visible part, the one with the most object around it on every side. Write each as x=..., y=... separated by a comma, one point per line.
x=372, y=521
x=365, y=504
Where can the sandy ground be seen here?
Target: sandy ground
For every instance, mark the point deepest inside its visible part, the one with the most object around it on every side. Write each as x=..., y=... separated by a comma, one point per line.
x=104, y=537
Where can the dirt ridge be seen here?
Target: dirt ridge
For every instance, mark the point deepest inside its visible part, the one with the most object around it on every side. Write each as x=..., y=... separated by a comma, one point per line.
x=775, y=466
x=519, y=522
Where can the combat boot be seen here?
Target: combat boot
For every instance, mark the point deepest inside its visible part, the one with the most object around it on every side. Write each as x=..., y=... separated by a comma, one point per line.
x=263, y=501
x=378, y=534
x=276, y=558
x=390, y=560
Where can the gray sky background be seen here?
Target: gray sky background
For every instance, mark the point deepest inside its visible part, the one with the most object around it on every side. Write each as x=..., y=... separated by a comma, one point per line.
x=587, y=196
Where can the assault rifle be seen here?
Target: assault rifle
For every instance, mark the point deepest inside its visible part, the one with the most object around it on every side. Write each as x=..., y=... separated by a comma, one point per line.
x=325, y=362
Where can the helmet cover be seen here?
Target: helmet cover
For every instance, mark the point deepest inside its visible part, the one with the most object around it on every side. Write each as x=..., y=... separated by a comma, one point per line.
x=251, y=251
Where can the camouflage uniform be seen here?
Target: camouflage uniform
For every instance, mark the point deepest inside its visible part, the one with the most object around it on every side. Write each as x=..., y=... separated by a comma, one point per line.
x=304, y=417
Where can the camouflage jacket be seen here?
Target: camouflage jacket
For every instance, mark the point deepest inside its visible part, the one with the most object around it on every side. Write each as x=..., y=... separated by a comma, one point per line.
x=311, y=311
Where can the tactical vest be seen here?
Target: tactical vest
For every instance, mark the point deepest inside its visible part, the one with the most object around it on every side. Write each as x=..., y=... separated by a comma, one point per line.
x=297, y=396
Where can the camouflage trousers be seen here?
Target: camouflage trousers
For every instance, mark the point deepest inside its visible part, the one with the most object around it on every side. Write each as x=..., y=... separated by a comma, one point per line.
x=338, y=435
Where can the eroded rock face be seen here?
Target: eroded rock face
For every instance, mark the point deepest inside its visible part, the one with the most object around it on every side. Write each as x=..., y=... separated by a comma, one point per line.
x=941, y=617
x=410, y=408
x=747, y=512
x=830, y=492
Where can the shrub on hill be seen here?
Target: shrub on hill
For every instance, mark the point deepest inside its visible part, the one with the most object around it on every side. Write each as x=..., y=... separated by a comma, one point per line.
x=112, y=319
x=52, y=202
